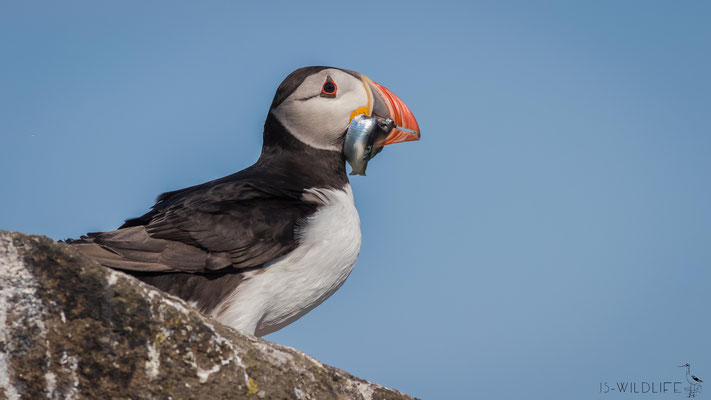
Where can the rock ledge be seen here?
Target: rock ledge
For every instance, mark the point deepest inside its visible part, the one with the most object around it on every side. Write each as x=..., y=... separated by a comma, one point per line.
x=71, y=329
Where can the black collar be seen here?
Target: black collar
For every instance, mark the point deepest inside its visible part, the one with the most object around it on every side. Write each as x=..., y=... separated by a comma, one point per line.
x=303, y=165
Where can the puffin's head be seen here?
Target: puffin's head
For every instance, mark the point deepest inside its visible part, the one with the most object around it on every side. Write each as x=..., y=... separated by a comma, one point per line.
x=316, y=105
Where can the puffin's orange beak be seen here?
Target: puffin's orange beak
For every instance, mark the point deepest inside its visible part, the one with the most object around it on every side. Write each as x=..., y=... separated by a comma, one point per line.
x=385, y=104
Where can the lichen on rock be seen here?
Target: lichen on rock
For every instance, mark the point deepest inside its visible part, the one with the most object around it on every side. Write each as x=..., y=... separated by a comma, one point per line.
x=71, y=329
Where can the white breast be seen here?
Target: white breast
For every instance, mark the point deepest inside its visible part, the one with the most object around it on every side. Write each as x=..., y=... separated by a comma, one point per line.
x=289, y=287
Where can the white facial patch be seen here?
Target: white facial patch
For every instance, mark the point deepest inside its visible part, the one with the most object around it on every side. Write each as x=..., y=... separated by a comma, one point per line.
x=320, y=121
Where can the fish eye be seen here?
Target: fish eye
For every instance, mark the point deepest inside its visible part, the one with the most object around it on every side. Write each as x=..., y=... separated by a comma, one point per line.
x=329, y=88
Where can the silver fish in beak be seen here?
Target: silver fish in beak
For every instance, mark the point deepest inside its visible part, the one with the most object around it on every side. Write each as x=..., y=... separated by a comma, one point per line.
x=360, y=138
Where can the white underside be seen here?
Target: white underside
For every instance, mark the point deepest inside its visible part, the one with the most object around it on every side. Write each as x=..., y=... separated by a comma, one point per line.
x=289, y=287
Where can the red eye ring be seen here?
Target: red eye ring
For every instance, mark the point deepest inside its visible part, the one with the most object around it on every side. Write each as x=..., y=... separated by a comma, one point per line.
x=329, y=88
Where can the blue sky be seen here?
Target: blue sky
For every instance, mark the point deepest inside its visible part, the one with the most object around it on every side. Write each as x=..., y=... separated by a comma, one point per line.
x=551, y=230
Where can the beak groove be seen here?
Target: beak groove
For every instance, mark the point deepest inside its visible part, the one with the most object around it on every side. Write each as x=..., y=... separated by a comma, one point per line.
x=406, y=128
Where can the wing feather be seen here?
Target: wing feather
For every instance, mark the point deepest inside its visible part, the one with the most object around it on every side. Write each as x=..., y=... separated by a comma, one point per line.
x=226, y=223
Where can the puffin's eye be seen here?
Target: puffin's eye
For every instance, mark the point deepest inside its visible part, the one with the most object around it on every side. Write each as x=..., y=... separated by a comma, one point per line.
x=329, y=88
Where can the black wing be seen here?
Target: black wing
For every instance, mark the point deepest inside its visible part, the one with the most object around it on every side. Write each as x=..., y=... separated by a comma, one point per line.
x=236, y=221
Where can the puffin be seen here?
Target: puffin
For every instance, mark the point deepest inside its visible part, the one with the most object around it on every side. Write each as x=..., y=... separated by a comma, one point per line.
x=258, y=249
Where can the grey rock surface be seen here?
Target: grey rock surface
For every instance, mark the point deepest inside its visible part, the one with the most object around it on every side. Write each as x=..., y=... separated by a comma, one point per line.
x=71, y=329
